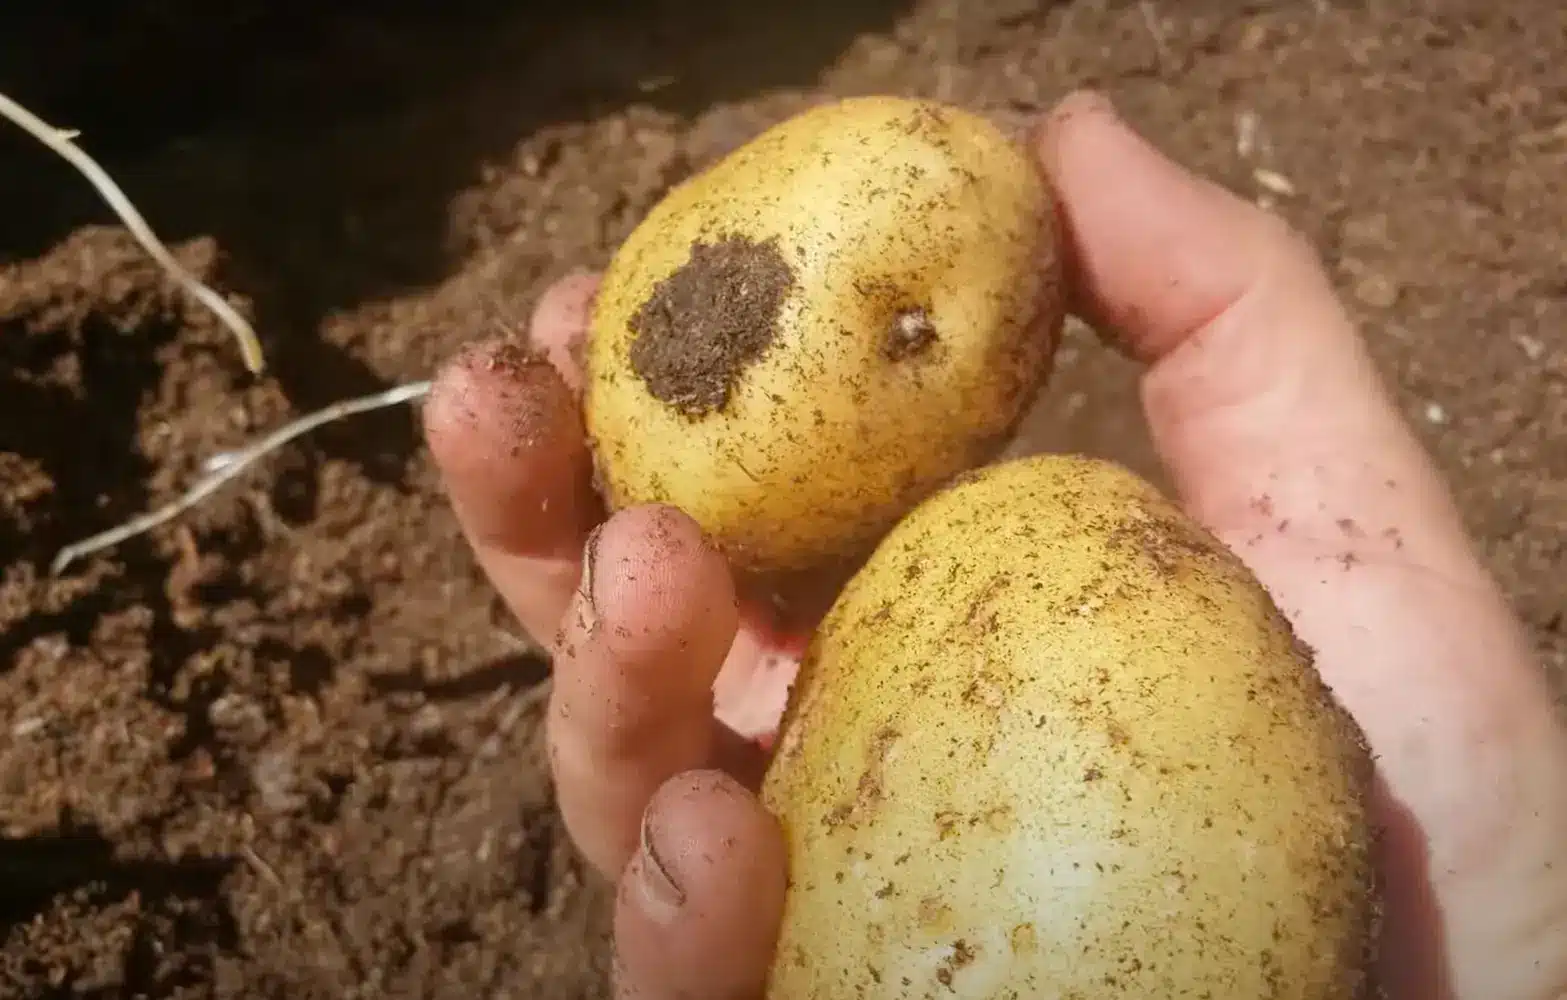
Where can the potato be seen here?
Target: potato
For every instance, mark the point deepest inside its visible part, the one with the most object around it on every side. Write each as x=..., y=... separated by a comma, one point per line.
x=798, y=344
x=1054, y=740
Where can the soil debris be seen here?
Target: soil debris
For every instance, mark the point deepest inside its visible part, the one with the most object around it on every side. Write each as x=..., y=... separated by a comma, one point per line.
x=704, y=325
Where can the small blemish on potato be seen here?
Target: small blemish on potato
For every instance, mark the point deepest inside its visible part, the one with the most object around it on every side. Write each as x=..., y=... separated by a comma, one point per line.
x=912, y=334
x=947, y=824
x=962, y=953
x=933, y=913
x=1001, y=819
x=869, y=792
x=985, y=691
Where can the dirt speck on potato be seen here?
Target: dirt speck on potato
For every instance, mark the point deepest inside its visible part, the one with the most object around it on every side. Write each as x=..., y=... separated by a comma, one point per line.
x=1169, y=543
x=869, y=793
x=709, y=321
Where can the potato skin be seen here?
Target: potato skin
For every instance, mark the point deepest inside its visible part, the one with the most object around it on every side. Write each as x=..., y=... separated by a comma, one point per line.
x=881, y=209
x=1054, y=740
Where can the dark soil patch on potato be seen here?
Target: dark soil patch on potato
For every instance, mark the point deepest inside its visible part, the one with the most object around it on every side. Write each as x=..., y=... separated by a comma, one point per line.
x=709, y=321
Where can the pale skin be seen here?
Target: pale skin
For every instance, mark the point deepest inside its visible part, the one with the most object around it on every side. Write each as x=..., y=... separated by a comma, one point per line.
x=1256, y=385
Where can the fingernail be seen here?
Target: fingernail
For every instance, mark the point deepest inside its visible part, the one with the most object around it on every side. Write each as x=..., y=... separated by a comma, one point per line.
x=660, y=891
x=1074, y=112
x=1098, y=102
x=589, y=609
x=1083, y=103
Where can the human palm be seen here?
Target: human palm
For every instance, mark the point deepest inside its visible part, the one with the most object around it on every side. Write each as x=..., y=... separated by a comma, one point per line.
x=1277, y=434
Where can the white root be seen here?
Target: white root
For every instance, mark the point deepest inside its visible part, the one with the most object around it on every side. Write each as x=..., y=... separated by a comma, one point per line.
x=230, y=464
x=219, y=469
x=1155, y=25
x=60, y=142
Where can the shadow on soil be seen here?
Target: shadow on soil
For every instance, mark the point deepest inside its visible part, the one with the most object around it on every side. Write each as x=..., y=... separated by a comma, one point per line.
x=320, y=144
x=79, y=862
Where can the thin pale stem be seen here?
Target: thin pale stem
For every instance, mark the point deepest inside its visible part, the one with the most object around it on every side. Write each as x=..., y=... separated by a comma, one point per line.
x=231, y=464
x=60, y=141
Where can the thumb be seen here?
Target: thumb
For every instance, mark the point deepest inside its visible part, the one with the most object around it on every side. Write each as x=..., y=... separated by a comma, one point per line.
x=1260, y=394
x=1269, y=415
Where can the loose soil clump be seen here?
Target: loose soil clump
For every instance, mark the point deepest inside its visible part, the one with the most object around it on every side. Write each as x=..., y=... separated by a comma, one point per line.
x=708, y=322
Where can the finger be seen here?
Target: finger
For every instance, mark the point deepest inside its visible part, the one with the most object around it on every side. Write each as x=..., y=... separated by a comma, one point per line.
x=1259, y=383
x=1279, y=435
x=1151, y=270
x=635, y=663
x=751, y=689
x=700, y=903
x=505, y=431
x=1277, y=432
x=560, y=323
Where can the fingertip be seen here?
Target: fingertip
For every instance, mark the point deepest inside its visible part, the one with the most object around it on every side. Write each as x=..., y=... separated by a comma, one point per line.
x=491, y=397
x=505, y=431
x=1157, y=251
x=1076, y=104
x=663, y=582
x=1258, y=378
x=700, y=903
x=560, y=323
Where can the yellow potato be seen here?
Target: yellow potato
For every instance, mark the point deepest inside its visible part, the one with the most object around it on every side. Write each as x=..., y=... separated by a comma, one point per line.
x=798, y=344
x=1055, y=741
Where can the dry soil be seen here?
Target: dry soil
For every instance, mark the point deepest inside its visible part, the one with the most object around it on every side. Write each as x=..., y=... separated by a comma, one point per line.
x=263, y=752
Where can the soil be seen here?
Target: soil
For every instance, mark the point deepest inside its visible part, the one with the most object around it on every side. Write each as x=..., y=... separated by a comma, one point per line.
x=709, y=321
x=288, y=746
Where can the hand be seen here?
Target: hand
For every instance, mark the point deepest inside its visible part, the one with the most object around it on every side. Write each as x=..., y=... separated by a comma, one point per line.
x=1277, y=434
